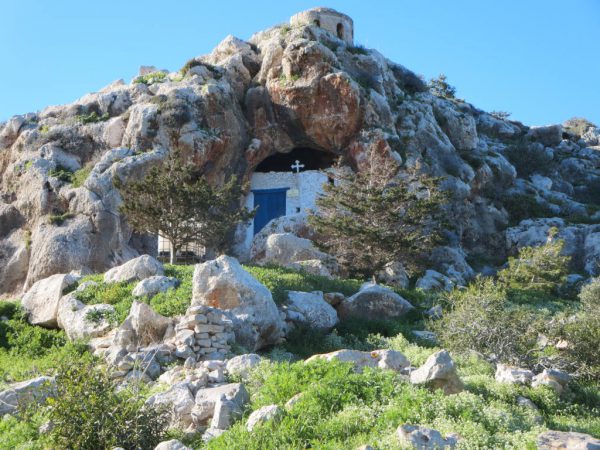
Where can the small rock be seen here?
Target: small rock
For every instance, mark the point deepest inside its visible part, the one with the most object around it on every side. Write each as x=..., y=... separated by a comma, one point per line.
x=422, y=438
x=439, y=372
x=262, y=415
x=242, y=365
x=295, y=399
x=173, y=444
x=149, y=287
x=514, y=375
x=139, y=268
x=383, y=359
x=374, y=302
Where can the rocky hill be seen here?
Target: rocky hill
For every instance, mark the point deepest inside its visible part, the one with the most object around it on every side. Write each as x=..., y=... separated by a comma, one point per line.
x=287, y=87
x=103, y=346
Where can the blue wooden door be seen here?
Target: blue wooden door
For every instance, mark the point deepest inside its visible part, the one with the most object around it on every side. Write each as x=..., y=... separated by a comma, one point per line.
x=270, y=203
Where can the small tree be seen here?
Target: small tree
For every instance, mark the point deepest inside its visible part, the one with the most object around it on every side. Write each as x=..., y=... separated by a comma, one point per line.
x=440, y=87
x=175, y=202
x=370, y=218
x=540, y=269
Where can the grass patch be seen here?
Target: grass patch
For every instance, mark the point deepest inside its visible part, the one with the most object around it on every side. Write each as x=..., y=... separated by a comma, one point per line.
x=151, y=78
x=59, y=219
x=79, y=176
x=61, y=173
x=92, y=117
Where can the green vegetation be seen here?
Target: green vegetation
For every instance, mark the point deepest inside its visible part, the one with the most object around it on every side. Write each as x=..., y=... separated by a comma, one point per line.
x=524, y=206
x=501, y=115
x=369, y=219
x=92, y=117
x=58, y=219
x=151, y=78
x=62, y=173
x=440, y=87
x=173, y=200
x=87, y=413
x=28, y=351
x=358, y=50
x=577, y=126
x=79, y=176
x=530, y=159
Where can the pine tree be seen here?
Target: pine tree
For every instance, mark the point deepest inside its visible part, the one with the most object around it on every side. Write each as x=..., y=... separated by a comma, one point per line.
x=175, y=202
x=371, y=218
x=440, y=87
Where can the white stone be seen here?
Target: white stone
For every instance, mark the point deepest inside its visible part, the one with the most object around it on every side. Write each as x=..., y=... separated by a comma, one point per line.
x=173, y=444
x=226, y=412
x=439, y=372
x=114, y=131
x=313, y=310
x=180, y=401
x=206, y=400
x=262, y=415
x=242, y=365
x=566, y=440
x=138, y=268
x=41, y=300
x=153, y=285
x=82, y=321
x=16, y=395
x=224, y=284
x=383, y=359
x=434, y=281
x=514, y=375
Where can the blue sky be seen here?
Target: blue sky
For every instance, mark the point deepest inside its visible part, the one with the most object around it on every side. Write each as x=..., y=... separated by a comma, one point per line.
x=538, y=59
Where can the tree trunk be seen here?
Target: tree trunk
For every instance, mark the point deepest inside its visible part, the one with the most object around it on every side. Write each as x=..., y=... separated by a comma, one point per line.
x=173, y=254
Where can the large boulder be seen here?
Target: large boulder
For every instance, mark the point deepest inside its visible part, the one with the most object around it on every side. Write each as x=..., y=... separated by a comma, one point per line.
x=206, y=400
x=139, y=268
x=382, y=359
x=549, y=135
x=179, y=400
x=19, y=395
x=142, y=327
x=82, y=321
x=566, y=440
x=374, y=302
x=223, y=283
x=513, y=375
x=438, y=372
x=149, y=287
x=311, y=309
x=41, y=300
x=434, y=281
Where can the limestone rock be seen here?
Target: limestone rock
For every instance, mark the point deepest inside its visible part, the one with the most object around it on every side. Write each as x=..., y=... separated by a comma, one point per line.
x=206, y=400
x=223, y=283
x=173, y=444
x=555, y=379
x=226, y=412
x=16, y=395
x=241, y=365
x=179, y=400
x=262, y=415
x=139, y=268
x=143, y=326
x=82, y=321
x=549, y=136
x=310, y=308
x=422, y=438
x=374, y=302
x=434, y=281
x=514, y=375
x=394, y=274
x=151, y=286
x=42, y=299
x=383, y=359
x=438, y=372
x=566, y=440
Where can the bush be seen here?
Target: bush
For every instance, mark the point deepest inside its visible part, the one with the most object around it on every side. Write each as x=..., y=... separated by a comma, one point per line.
x=79, y=176
x=577, y=126
x=151, y=78
x=92, y=117
x=59, y=219
x=541, y=269
x=116, y=294
x=440, y=87
x=524, y=206
x=481, y=318
x=87, y=413
x=582, y=334
x=358, y=50
x=61, y=173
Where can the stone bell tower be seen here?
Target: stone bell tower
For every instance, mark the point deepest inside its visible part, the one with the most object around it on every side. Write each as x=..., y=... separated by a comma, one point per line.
x=336, y=23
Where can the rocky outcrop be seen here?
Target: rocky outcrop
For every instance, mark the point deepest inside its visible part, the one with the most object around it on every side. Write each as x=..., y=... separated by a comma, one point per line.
x=285, y=88
x=82, y=321
x=42, y=299
x=438, y=372
x=223, y=283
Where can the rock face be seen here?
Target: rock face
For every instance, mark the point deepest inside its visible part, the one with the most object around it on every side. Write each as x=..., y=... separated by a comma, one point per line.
x=566, y=440
x=438, y=372
x=42, y=299
x=24, y=393
x=288, y=87
x=223, y=283
x=373, y=302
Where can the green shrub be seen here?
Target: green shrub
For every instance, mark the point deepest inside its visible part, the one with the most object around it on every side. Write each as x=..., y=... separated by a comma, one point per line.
x=541, y=269
x=175, y=301
x=116, y=294
x=189, y=65
x=481, y=318
x=58, y=219
x=279, y=280
x=79, y=176
x=92, y=117
x=151, y=78
x=439, y=87
x=358, y=50
x=577, y=126
x=87, y=413
x=62, y=173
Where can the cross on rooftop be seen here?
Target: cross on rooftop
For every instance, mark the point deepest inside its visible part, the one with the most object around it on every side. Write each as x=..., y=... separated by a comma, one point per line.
x=297, y=166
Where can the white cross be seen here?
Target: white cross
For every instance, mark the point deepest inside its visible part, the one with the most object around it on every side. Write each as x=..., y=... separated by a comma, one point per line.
x=297, y=166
